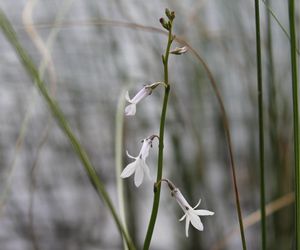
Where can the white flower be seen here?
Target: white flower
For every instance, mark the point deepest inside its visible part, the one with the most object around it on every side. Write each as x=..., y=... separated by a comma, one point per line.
x=191, y=215
x=144, y=92
x=139, y=166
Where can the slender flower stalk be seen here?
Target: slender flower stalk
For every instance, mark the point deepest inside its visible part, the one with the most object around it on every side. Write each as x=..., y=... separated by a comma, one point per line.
x=295, y=117
x=165, y=58
x=261, y=129
x=220, y=101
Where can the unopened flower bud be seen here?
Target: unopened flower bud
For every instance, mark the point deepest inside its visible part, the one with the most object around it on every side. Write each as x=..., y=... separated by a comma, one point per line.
x=164, y=23
x=179, y=51
x=170, y=14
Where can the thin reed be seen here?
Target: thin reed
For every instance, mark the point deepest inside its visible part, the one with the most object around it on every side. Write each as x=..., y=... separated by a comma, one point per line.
x=261, y=128
x=294, y=76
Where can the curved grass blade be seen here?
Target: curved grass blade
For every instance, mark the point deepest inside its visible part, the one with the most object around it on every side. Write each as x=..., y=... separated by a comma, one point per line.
x=32, y=71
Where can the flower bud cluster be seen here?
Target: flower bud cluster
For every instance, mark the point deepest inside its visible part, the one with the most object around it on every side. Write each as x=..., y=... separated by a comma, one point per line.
x=167, y=24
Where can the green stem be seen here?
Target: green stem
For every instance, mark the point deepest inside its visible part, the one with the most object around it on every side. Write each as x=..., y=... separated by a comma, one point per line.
x=161, y=145
x=261, y=128
x=295, y=117
x=32, y=71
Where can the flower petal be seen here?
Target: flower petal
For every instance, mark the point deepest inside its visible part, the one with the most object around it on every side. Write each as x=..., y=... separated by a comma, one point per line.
x=197, y=204
x=182, y=218
x=129, y=170
x=146, y=170
x=181, y=200
x=187, y=224
x=127, y=97
x=144, y=153
x=130, y=156
x=195, y=220
x=139, y=175
x=130, y=109
x=203, y=212
x=144, y=92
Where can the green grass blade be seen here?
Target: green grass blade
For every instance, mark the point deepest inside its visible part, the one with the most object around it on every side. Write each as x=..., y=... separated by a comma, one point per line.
x=278, y=22
x=118, y=158
x=32, y=71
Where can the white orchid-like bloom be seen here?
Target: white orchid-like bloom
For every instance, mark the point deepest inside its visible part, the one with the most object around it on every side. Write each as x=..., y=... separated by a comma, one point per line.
x=139, y=166
x=130, y=109
x=191, y=215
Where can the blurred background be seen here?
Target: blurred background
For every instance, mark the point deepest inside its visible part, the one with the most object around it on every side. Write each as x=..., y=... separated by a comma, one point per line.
x=46, y=199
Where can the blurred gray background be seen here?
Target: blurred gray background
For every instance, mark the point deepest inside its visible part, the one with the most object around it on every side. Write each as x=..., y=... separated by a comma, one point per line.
x=47, y=201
